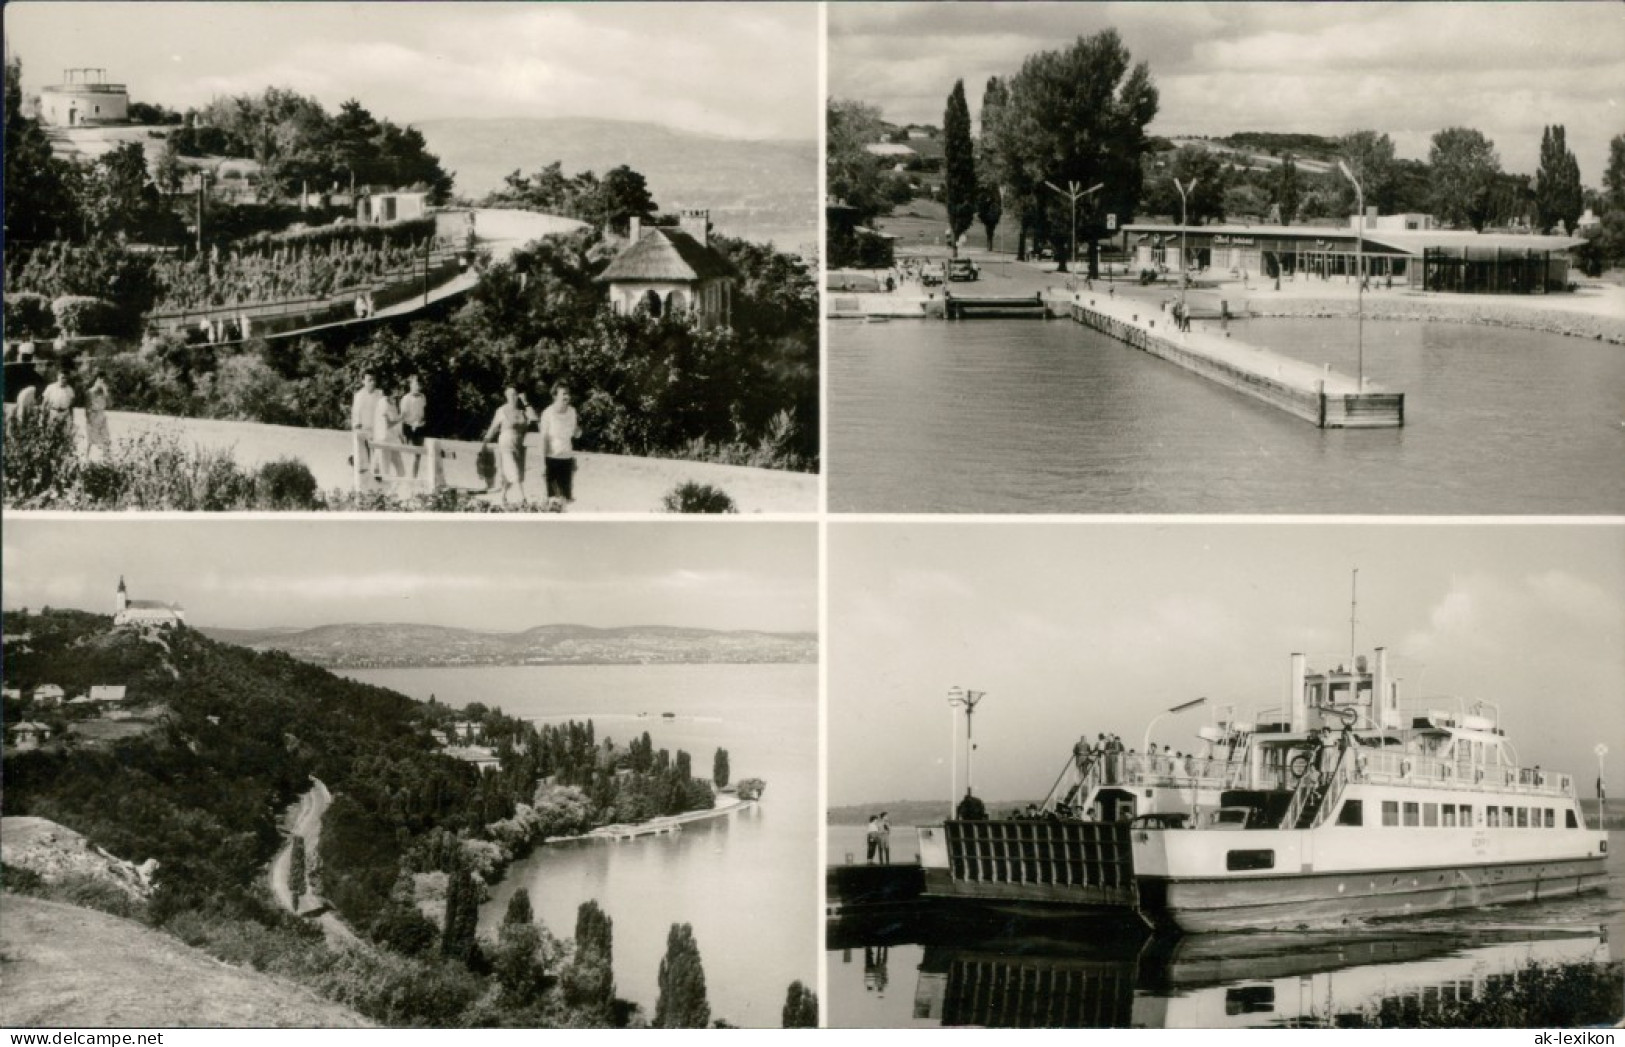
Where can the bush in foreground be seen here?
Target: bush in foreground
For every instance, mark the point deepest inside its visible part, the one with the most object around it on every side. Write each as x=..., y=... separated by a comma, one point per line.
x=692, y=497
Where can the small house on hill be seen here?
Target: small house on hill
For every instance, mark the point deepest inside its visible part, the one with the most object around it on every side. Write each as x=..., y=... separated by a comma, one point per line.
x=28, y=735
x=107, y=693
x=391, y=207
x=668, y=272
x=49, y=694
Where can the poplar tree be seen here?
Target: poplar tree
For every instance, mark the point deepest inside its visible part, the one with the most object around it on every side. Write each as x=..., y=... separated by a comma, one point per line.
x=959, y=164
x=800, y=1008
x=682, y=1003
x=719, y=769
x=1559, y=197
x=589, y=980
x=296, y=871
x=457, y=937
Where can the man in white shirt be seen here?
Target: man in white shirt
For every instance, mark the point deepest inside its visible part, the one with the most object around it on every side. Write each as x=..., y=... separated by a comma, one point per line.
x=558, y=444
x=364, y=408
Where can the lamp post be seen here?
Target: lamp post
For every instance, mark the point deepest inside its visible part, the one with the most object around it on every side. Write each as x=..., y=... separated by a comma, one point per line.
x=1602, y=790
x=1071, y=193
x=959, y=696
x=1146, y=745
x=1359, y=270
x=1184, y=260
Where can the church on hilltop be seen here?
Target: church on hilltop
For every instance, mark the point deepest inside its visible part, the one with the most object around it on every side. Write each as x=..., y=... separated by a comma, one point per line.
x=144, y=612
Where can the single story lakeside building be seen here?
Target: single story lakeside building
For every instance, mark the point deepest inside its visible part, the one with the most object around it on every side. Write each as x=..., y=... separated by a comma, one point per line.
x=1397, y=248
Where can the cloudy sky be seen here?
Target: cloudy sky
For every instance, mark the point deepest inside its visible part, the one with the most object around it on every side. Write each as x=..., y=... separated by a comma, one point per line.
x=1073, y=628
x=737, y=70
x=1507, y=69
x=496, y=575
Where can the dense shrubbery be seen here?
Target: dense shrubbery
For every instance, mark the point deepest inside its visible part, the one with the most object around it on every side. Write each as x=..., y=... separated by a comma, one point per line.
x=694, y=497
x=29, y=315
x=101, y=270
x=153, y=470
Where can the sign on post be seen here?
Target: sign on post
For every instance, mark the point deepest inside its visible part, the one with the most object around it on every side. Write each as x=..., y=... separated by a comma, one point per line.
x=1111, y=223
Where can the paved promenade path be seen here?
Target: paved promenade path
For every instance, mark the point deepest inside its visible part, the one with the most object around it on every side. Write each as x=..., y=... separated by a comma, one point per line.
x=604, y=483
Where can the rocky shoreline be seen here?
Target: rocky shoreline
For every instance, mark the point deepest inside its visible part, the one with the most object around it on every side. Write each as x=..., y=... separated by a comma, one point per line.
x=1433, y=310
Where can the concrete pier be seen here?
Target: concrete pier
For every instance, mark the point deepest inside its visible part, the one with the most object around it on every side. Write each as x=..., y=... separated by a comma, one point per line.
x=1321, y=396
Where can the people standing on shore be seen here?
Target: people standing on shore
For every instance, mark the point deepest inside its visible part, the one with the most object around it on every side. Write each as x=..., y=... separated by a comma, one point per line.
x=885, y=839
x=508, y=427
x=96, y=431
x=559, y=428
x=872, y=838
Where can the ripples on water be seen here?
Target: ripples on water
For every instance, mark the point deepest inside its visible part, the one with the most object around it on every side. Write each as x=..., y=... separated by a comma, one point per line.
x=1024, y=416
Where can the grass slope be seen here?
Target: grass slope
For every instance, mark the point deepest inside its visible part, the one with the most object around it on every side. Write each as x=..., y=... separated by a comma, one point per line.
x=63, y=965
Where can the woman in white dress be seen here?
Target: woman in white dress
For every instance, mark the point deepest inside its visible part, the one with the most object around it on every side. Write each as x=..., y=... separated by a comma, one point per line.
x=512, y=420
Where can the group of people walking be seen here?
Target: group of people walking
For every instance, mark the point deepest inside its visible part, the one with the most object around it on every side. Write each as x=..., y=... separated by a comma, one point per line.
x=392, y=423
x=399, y=420
x=58, y=399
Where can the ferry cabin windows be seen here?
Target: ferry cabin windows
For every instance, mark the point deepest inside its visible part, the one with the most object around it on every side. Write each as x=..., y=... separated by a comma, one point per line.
x=1571, y=821
x=1237, y=861
x=1390, y=812
x=1448, y=815
x=1351, y=813
x=1453, y=815
x=1466, y=811
x=1412, y=813
x=1430, y=814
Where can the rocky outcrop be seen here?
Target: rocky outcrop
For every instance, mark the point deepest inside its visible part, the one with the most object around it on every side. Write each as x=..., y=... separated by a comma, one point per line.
x=58, y=855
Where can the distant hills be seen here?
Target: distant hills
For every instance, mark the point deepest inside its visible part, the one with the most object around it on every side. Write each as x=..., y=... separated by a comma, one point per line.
x=357, y=646
x=758, y=190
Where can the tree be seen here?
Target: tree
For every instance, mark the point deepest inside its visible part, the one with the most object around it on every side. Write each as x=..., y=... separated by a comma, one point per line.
x=519, y=910
x=1559, y=197
x=457, y=938
x=853, y=175
x=959, y=163
x=622, y=195
x=589, y=980
x=296, y=871
x=800, y=1008
x=1613, y=179
x=1465, y=166
x=719, y=769
x=1077, y=115
x=1192, y=166
x=1284, y=189
x=40, y=190
x=1370, y=156
x=682, y=1003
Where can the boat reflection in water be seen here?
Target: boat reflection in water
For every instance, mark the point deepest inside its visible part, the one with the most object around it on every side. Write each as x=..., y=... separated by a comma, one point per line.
x=1083, y=975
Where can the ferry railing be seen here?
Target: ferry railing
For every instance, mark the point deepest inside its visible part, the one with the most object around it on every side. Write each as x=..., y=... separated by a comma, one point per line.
x=1431, y=772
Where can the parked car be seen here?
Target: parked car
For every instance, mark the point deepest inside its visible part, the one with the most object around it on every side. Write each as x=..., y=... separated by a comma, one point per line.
x=963, y=269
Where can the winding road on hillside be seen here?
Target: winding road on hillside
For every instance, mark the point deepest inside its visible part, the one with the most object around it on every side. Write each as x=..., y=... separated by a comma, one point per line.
x=305, y=820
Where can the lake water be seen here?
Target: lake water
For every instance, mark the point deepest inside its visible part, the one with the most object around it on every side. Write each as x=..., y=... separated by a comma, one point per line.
x=928, y=972
x=747, y=882
x=1028, y=416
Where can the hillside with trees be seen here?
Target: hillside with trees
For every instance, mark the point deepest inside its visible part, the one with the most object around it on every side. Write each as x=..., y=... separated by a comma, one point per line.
x=217, y=739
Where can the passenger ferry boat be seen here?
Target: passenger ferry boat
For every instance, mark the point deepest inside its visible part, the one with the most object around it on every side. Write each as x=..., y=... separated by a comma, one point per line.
x=1340, y=805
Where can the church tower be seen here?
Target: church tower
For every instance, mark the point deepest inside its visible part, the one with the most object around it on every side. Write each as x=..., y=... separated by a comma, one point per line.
x=121, y=602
